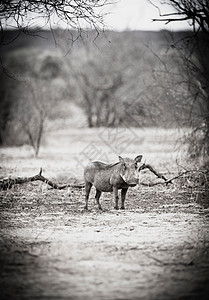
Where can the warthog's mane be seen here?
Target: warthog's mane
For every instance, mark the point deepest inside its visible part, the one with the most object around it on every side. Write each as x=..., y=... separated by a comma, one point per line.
x=105, y=165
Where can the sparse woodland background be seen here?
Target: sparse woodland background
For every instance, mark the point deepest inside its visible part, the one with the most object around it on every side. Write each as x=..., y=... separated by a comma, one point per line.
x=143, y=79
x=140, y=78
x=68, y=91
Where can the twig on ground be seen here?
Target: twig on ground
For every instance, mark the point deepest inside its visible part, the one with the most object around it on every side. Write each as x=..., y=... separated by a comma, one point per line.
x=176, y=263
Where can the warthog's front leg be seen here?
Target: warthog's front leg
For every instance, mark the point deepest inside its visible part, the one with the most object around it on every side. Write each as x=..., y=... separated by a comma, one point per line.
x=115, y=193
x=88, y=186
x=123, y=197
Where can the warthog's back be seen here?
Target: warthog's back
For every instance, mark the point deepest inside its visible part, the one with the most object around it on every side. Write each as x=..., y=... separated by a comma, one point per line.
x=99, y=173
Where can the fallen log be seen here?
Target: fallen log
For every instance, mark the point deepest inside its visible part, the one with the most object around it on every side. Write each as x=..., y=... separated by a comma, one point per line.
x=7, y=183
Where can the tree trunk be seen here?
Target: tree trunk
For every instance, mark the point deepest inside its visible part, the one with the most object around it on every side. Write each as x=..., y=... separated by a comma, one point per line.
x=40, y=133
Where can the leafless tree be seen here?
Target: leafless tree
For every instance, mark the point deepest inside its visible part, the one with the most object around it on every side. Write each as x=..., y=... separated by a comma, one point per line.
x=31, y=112
x=29, y=102
x=193, y=61
x=98, y=78
x=99, y=102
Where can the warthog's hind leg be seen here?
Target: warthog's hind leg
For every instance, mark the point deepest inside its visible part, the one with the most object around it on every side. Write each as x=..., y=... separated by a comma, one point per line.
x=115, y=193
x=97, y=196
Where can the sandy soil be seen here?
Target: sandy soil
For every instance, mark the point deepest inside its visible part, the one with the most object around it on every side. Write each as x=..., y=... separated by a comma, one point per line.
x=51, y=248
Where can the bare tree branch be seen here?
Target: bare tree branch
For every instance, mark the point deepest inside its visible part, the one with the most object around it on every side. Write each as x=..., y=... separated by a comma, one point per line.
x=29, y=17
x=195, y=11
x=24, y=14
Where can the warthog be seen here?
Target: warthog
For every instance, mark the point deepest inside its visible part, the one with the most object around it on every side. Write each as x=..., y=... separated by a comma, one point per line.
x=111, y=177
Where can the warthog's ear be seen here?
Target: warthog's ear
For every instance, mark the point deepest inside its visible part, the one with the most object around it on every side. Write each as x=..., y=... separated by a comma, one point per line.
x=121, y=159
x=138, y=158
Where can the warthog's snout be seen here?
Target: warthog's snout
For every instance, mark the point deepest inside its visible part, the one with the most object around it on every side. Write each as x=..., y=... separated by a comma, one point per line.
x=112, y=177
x=129, y=171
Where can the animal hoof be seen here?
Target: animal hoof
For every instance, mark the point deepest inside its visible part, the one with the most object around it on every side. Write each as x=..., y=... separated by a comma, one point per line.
x=116, y=207
x=122, y=207
x=86, y=207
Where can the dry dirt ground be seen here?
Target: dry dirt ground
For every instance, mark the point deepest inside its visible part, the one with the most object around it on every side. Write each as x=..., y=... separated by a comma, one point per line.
x=51, y=248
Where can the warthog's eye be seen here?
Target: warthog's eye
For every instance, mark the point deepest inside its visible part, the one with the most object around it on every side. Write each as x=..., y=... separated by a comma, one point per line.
x=135, y=166
x=124, y=166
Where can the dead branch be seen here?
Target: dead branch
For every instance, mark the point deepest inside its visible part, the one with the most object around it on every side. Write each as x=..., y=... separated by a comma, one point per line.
x=6, y=184
x=166, y=181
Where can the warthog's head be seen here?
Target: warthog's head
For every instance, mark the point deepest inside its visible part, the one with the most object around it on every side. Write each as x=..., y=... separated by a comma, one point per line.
x=129, y=170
